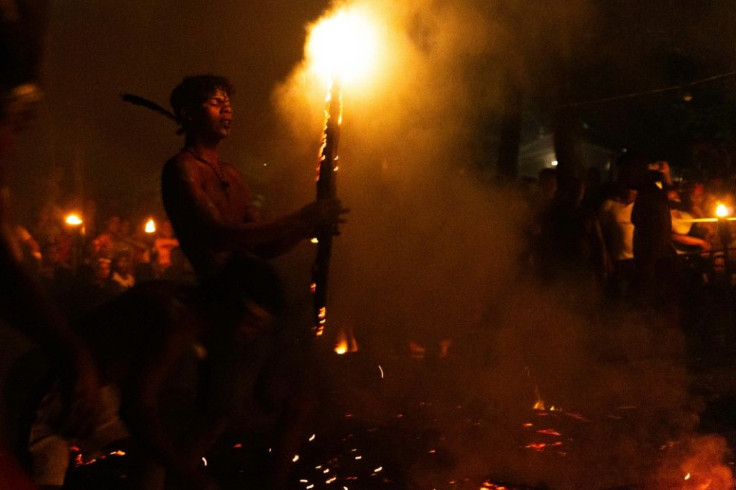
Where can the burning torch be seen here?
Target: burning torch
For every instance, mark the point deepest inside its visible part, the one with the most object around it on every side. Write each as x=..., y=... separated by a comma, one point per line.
x=340, y=46
x=326, y=189
x=76, y=223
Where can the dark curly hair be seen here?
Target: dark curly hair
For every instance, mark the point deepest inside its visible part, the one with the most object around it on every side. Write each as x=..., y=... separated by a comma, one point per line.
x=194, y=90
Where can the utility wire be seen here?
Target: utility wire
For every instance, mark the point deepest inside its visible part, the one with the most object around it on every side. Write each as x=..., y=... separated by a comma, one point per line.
x=651, y=92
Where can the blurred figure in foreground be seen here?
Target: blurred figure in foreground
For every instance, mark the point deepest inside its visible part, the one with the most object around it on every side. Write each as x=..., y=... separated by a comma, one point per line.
x=22, y=304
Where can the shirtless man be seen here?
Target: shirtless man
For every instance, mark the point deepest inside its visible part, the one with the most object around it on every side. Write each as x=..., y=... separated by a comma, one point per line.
x=209, y=202
x=220, y=231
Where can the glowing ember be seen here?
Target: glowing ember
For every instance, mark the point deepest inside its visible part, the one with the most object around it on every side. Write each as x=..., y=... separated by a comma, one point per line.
x=540, y=446
x=549, y=432
x=73, y=219
x=492, y=486
x=150, y=226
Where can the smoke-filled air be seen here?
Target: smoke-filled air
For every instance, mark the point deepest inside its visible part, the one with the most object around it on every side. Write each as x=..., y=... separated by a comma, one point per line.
x=539, y=385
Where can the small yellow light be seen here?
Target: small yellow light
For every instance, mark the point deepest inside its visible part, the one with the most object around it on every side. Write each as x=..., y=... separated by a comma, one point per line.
x=722, y=210
x=150, y=226
x=73, y=219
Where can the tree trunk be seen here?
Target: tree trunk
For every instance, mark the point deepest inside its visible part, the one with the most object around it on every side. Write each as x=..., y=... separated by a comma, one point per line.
x=510, y=132
x=569, y=162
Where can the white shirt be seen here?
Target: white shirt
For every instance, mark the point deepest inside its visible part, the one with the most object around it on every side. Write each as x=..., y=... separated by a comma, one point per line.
x=615, y=218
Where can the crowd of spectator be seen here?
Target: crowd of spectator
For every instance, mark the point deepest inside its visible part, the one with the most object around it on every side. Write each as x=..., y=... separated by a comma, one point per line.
x=82, y=268
x=589, y=231
x=641, y=235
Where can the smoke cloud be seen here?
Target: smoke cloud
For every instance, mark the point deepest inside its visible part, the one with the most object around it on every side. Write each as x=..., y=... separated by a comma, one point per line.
x=432, y=253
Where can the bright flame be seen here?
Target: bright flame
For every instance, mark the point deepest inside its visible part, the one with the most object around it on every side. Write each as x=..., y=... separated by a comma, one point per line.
x=342, y=345
x=346, y=342
x=344, y=45
x=150, y=226
x=722, y=210
x=73, y=219
x=539, y=404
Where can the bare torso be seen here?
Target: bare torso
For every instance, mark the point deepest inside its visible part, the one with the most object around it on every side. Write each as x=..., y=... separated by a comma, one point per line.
x=198, y=199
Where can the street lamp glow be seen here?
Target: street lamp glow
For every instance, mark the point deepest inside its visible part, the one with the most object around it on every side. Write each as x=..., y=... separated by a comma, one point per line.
x=73, y=219
x=343, y=46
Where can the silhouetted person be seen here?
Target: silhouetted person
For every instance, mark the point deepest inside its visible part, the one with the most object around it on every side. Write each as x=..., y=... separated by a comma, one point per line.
x=572, y=242
x=121, y=272
x=654, y=254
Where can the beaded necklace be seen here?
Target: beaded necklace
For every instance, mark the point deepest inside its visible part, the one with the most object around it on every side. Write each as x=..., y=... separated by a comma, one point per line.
x=216, y=168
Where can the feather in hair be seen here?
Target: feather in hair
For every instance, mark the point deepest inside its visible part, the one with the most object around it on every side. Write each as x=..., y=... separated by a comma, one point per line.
x=137, y=100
